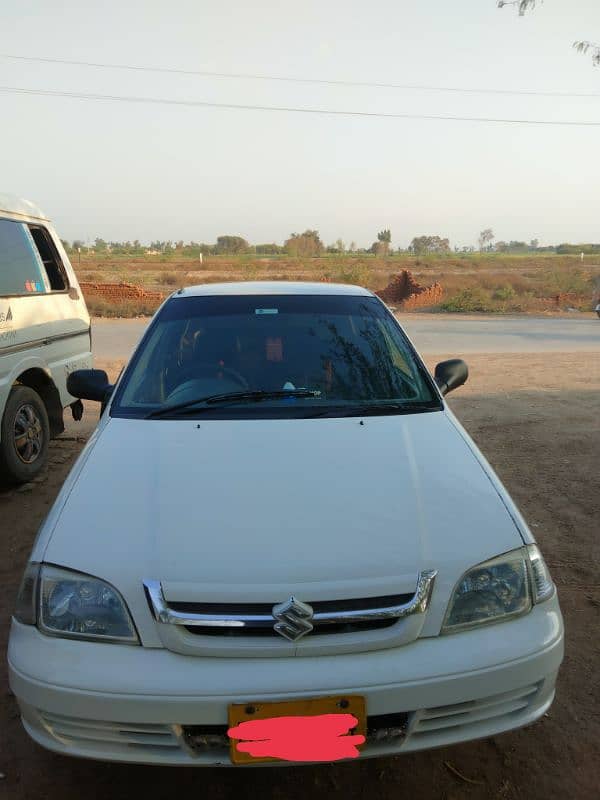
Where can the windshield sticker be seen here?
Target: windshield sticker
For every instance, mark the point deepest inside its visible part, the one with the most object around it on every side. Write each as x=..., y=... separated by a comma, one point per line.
x=266, y=311
x=274, y=349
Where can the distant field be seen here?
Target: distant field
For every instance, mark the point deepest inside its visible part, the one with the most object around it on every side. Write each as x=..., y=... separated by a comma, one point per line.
x=472, y=283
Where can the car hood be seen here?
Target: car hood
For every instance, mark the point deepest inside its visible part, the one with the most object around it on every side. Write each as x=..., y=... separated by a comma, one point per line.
x=254, y=510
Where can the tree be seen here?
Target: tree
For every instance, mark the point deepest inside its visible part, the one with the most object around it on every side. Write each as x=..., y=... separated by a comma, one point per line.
x=584, y=46
x=511, y=247
x=268, y=249
x=485, y=239
x=231, y=245
x=100, y=245
x=382, y=246
x=304, y=244
x=534, y=244
x=421, y=245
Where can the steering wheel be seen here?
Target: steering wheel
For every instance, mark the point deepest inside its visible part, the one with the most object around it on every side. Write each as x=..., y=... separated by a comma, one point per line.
x=200, y=369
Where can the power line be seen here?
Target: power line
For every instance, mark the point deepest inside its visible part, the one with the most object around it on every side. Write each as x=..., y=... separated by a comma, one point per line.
x=289, y=109
x=291, y=79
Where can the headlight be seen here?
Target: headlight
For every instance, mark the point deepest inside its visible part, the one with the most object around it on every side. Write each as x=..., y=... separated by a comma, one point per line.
x=495, y=590
x=78, y=606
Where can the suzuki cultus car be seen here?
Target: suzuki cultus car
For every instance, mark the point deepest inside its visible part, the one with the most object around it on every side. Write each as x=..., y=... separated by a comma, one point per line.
x=279, y=545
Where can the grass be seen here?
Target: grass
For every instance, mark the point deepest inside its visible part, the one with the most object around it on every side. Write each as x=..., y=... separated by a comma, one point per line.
x=100, y=307
x=169, y=279
x=471, y=300
x=483, y=283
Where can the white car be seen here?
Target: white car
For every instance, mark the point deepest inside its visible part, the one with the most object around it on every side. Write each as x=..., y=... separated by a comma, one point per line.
x=280, y=545
x=44, y=335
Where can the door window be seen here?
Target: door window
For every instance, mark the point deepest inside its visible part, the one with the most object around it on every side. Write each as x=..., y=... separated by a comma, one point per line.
x=20, y=265
x=50, y=258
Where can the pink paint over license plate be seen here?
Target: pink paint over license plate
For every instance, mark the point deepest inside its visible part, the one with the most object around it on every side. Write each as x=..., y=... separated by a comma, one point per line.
x=314, y=729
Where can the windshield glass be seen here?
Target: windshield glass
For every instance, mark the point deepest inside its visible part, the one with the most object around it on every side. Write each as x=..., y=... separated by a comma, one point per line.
x=345, y=350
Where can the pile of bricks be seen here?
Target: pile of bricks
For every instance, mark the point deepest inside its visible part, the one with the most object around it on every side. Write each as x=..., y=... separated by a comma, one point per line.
x=118, y=292
x=407, y=293
x=567, y=299
x=558, y=302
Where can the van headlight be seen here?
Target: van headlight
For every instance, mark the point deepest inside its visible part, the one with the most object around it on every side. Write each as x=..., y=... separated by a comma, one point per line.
x=499, y=589
x=73, y=605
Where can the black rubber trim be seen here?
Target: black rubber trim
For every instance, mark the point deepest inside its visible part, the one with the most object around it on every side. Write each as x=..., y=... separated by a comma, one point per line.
x=46, y=340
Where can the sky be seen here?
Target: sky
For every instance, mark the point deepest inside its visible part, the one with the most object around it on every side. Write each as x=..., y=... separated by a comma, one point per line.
x=121, y=170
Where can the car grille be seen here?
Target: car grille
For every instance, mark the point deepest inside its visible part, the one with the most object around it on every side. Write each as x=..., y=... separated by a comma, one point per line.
x=265, y=627
x=291, y=627
x=292, y=619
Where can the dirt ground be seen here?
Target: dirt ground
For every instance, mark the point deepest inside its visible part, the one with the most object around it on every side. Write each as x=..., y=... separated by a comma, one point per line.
x=537, y=419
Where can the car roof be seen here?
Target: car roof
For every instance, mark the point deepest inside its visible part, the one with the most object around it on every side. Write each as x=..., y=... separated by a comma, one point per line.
x=271, y=287
x=11, y=205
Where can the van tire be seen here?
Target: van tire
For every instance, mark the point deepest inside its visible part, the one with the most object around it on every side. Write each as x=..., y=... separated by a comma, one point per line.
x=23, y=456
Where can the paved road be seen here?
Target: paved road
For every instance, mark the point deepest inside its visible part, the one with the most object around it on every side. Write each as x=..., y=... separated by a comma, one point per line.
x=431, y=333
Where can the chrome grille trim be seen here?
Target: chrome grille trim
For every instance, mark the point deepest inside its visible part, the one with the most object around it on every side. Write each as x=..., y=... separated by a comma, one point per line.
x=418, y=604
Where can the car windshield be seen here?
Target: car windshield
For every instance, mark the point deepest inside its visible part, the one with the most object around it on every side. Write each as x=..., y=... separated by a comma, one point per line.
x=273, y=355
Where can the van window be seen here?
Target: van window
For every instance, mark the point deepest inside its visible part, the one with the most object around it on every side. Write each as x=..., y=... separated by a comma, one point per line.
x=20, y=265
x=50, y=258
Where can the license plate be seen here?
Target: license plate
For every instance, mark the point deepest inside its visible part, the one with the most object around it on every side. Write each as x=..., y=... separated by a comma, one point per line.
x=313, y=729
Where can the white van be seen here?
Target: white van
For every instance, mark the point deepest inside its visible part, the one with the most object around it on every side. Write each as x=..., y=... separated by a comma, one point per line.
x=44, y=335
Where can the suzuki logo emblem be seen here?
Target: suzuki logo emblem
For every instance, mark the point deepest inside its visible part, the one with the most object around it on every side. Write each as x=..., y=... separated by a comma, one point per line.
x=293, y=619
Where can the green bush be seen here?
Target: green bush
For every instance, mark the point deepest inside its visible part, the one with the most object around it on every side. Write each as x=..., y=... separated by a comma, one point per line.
x=468, y=300
x=355, y=273
x=504, y=293
x=571, y=282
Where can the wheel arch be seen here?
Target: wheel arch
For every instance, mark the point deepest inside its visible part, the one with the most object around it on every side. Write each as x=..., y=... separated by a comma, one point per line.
x=41, y=382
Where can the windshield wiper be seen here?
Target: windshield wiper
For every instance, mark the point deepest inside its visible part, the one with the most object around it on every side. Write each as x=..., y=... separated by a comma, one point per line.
x=232, y=397
x=374, y=409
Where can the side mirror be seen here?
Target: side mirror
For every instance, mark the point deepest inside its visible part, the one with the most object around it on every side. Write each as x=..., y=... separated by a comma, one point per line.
x=449, y=375
x=89, y=384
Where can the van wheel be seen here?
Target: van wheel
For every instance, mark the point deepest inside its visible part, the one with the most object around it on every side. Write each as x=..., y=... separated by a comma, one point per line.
x=25, y=434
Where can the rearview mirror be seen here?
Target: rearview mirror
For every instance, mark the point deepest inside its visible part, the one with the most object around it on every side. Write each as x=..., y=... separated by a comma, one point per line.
x=449, y=375
x=89, y=384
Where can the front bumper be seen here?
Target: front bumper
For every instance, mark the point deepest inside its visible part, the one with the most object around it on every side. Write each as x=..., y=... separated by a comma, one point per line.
x=126, y=703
